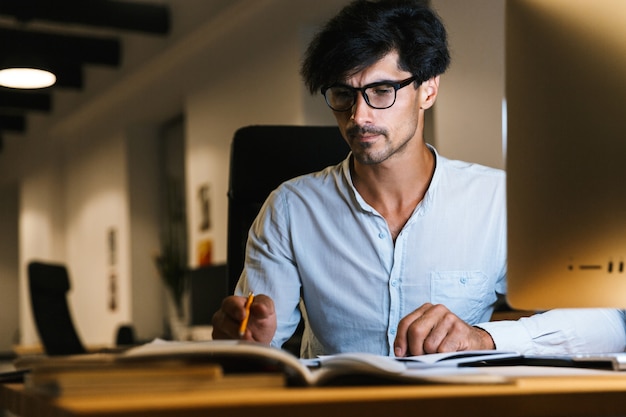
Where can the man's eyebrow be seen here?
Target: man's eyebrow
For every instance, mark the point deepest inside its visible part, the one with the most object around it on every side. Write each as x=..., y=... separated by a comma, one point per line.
x=383, y=81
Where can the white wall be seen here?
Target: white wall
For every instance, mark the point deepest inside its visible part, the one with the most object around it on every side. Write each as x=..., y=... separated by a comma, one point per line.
x=239, y=67
x=41, y=231
x=260, y=85
x=9, y=267
x=144, y=293
x=69, y=211
x=96, y=201
x=468, y=113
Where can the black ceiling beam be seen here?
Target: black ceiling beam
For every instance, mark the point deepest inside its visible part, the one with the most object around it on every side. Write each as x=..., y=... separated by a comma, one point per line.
x=22, y=100
x=69, y=75
x=61, y=47
x=66, y=52
x=142, y=17
x=12, y=122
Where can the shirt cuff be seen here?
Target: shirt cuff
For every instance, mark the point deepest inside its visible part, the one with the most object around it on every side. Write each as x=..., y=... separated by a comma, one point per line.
x=508, y=335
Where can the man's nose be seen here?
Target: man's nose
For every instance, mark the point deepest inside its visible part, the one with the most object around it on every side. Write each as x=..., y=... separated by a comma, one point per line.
x=361, y=111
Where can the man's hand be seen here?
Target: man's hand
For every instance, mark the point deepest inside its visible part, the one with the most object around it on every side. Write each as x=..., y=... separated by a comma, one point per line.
x=261, y=323
x=434, y=328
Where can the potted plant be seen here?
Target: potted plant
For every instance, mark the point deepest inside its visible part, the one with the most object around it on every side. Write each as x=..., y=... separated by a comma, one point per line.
x=171, y=262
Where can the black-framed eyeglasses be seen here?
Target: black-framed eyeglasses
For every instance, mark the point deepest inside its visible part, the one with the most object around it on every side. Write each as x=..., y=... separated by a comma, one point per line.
x=380, y=95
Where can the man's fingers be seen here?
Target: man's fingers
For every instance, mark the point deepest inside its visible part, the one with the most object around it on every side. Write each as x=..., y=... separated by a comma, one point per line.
x=261, y=324
x=262, y=307
x=227, y=319
x=430, y=329
x=439, y=330
x=443, y=334
x=402, y=343
x=234, y=306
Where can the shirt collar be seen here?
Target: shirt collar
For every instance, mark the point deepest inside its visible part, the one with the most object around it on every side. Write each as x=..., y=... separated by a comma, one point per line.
x=422, y=207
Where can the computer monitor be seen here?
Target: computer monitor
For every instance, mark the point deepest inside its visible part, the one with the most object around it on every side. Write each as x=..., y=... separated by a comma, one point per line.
x=566, y=156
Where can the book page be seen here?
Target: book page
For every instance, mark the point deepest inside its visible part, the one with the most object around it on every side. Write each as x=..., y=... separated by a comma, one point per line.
x=347, y=367
x=340, y=369
x=232, y=355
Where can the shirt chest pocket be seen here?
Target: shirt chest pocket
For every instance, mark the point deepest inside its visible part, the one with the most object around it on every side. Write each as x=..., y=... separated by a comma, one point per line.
x=469, y=295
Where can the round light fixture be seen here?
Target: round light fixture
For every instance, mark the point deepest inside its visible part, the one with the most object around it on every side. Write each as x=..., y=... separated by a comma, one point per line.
x=27, y=78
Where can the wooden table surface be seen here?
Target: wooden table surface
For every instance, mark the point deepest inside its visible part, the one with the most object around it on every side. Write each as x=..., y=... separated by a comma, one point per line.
x=579, y=394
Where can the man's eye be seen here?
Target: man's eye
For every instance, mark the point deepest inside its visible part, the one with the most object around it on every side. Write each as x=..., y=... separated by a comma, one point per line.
x=381, y=90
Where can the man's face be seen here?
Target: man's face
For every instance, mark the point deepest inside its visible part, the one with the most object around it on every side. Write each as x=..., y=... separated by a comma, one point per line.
x=375, y=135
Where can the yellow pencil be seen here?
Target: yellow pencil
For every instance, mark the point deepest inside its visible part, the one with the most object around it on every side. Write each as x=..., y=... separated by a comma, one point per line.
x=244, y=322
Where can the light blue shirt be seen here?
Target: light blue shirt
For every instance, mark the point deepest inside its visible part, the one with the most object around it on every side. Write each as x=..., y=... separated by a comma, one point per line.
x=318, y=241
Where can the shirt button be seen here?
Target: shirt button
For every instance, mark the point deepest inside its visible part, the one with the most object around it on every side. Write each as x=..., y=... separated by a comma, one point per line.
x=392, y=331
x=394, y=283
x=381, y=235
x=463, y=280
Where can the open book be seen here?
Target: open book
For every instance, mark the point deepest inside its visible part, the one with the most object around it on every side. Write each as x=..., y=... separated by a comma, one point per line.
x=341, y=369
x=221, y=364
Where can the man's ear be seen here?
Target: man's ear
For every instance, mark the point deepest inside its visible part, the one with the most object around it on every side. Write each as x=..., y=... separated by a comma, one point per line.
x=430, y=88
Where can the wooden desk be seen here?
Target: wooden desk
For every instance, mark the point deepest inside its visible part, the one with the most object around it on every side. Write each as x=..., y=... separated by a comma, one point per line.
x=571, y=396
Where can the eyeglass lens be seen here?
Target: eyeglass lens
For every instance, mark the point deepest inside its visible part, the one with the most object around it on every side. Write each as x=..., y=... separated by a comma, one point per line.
x=342, y=98
x=378, y=95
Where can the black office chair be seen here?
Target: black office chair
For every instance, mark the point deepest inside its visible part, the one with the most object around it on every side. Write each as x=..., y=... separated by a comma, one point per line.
x=49, y=284
x=262, y=157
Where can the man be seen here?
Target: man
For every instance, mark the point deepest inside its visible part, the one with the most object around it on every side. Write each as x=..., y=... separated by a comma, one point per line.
x=397, y=250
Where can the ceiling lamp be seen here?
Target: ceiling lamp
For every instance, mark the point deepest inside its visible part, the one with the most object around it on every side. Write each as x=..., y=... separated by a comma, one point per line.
x=26, y=78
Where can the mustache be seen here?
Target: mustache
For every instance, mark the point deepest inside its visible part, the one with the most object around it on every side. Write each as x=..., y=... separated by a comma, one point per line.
x=358, y=130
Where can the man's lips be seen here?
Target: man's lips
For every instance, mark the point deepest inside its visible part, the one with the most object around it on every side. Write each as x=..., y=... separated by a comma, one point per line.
x=367, y=137
x=364, y=134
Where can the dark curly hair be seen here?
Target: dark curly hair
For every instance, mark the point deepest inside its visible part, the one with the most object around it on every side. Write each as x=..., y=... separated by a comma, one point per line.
x=365, y=31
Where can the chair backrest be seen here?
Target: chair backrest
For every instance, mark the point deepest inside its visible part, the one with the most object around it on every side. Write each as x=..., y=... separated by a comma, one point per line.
x=49, y=284
x=262, y=157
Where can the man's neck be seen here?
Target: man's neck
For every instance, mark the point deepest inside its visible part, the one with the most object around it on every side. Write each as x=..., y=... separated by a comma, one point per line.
x=396, y=186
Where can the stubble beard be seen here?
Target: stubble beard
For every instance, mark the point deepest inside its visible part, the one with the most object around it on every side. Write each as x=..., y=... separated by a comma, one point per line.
x=364, y=152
